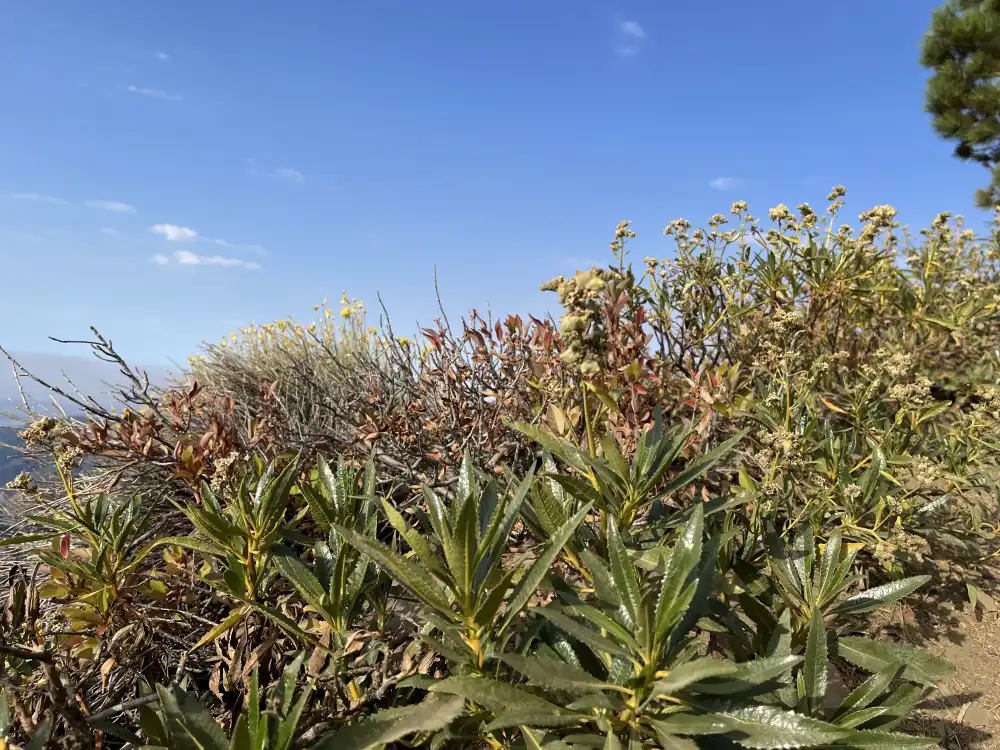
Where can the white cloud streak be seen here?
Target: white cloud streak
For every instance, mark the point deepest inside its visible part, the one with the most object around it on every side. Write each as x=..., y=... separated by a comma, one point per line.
x=40, y=198
x=287, y=174
x=631, y=35
x=160, y=259
x=187, y=258
x=115, y=206
x=237, y=246
x=174, y=233
x=726, y=183
x=155, y=94
x=632, y=29
x=110, y=232
x=161, y=56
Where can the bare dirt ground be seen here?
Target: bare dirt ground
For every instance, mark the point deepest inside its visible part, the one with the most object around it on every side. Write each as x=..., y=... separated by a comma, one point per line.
x=964, y=711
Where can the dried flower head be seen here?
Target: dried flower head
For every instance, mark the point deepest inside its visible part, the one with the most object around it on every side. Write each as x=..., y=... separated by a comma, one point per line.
x=780, y=213
x=23, y=482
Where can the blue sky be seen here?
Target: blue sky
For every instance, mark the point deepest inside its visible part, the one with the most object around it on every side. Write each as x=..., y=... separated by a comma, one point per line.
x=172, y=170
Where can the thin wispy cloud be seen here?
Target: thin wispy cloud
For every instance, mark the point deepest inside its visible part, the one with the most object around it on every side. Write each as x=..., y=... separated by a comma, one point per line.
x=287, y=174
x=161, y=56
x=40, y=198
x=726, y=183
x=155, y=94
x=631, y=35
x=115, y=206
x=177, y=233
x=632, y=29
x=174, y=233
x=110, y=232
x=238, y=246
x=188, y=258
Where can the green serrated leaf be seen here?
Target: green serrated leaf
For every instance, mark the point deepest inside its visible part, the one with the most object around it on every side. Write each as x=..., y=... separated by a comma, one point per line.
x=392, y=724
x=873, y=656
x=770, y=728
x=746, y=675
x=689, y=724
x=700, y=465
x=693, y=671
x=231, y=621
x=501, y=697
x=623, y=572
x=556, y=675
x=299, y=575
x=828, y=566
x=861, y=716
x=876, y=740
x=540, y=568
x=27, y=538
x=880, y=596
x=409, y=573
x=869, y=691
x=188, y=718
x=582, y=633
x=43, y=732
x=563, y=449
x=815, y=667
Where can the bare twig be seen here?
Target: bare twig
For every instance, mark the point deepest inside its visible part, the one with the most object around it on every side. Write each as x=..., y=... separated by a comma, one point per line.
x=124, y=706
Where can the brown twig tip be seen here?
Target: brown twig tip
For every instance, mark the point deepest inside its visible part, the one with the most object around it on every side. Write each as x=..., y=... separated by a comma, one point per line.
x=26, y=653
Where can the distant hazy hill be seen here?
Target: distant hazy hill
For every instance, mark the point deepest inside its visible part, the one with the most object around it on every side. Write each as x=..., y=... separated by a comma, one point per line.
x=11, y=462
x=88, y=374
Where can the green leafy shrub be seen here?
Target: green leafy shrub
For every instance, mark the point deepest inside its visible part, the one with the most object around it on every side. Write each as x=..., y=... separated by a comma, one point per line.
x=647, y=640
x=663, y=524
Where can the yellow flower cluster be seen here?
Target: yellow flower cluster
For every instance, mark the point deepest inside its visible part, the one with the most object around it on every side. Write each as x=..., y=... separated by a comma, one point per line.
x=350, y=331
x=580, y=326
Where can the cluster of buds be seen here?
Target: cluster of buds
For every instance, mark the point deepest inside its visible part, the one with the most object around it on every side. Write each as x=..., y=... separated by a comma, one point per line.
x=780, y=214
x=876, y=220
x=68, y=456
x=902, y=549
x=223, y=469
x=836, y=199
x=915, y=395
x=881, y=217
x=922, y=472
x=781, y=440
x=40, y=431
x=581, y=329
x=896, y=364
x=852, y=492
x=987, y=408
x=23, y=482
x=807, y=217
x=783, y=321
